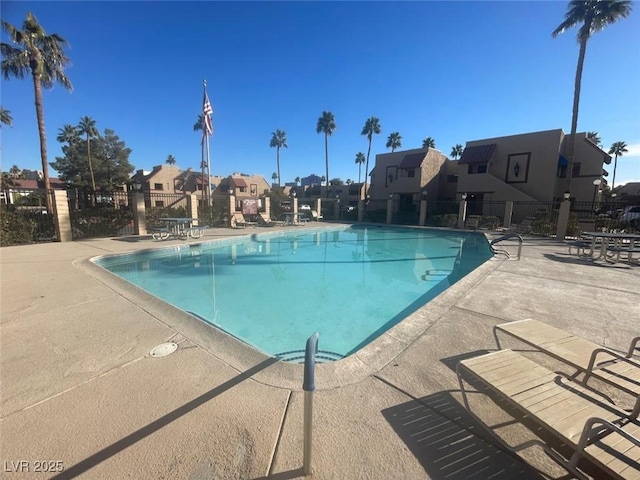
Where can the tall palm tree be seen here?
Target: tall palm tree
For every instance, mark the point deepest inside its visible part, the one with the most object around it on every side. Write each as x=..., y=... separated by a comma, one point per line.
x=171, y=160
x=360, y=159
x=457, y=151
x=43, y=57
x=394, y=141
x=594, y=137
x=5, y=117
x=87, y=127
x=617, y=149
x=278, y=140
x=371, y=127
x=327, y=125
x=593, y=17
x=428, y=143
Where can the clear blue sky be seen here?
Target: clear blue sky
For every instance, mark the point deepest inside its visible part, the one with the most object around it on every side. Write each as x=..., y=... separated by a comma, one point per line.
x=455, y=71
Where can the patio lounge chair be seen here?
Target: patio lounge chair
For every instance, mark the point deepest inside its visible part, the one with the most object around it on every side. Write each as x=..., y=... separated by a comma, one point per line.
x=594, y=361
x=524, y=226
x=592, y=429
x=238, y=221
x=315, y=217
x=265, y=221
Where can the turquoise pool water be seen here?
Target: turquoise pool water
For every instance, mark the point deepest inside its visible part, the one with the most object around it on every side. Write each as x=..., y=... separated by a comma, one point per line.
x=274, y=290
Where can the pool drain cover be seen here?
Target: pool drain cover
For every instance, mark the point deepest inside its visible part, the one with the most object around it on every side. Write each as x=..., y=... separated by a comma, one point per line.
x=164, y=349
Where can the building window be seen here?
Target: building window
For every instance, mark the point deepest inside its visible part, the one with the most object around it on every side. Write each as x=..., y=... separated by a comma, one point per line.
x=473, y=169
x=159, y=203
x=562, y=171
x=158, y=186
x=411, y=173
x=575, y=171
x=482, y=168
x=452, y=178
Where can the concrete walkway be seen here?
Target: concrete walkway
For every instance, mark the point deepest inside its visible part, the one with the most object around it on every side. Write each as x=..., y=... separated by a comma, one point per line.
x=80, y=390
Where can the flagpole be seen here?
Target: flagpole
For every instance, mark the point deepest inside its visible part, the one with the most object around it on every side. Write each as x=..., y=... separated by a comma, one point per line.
x=208, y=160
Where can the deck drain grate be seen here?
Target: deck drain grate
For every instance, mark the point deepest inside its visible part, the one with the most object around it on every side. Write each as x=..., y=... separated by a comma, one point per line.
x=164, y=349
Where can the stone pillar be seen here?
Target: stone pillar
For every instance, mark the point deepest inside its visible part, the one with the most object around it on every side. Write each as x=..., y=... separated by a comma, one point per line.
x=462, y=213
x=139, y=213
x=192, y=207
x=508, y=213
x=423, y=212
x=294, y=206
x=390, y=208
x=336, y=209
x=63, y=217
x=318, y=208
x=232, y=208
x=563, y=219
x=267, y=207
x=360, y=210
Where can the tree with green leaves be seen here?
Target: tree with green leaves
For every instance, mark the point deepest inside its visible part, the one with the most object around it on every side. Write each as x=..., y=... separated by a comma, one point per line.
x=87, y=127
x=171, y=160
x=278, y=140
x=322, y=180
x=336, y=181
x=592, y=17
x=274, y=177
x=297, y=180
x=360, y=159
x=43, y=57
x=371, y=128
x=456, y=151
x=394, y=141
x=327, y=125
x=5, y=117
x=428, y=143
x=68, y=134
x=594, y=137
x=618, y=149
x=110, y=160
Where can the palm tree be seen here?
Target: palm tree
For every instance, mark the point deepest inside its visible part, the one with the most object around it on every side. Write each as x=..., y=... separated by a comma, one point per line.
x=274, y=177
x=5, y=117
x=394, y=141
x=594, y=138
x=428, y=143
x=617, y=149
x=371, y=127
x=171, y=160
x=297, y=180
x=327, y=125
x=278, y=140
x=43, y=56
x=360, y=159
x=592, y=17
x=87, y=126
x=68, y=134
x=457, y=151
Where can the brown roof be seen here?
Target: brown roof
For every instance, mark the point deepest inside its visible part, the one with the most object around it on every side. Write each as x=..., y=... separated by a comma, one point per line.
x=239, y=182
x=413, y=160
x=477, y=154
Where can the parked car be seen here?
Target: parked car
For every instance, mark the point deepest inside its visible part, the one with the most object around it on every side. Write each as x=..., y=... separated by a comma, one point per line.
x=631, y=214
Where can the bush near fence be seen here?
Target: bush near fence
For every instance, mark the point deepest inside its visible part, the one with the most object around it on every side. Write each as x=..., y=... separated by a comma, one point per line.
x=100, y=222
x=21, y=226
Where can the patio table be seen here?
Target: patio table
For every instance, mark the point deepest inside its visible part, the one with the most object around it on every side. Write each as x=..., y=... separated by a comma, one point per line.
x=612, y=241
x=178, y=226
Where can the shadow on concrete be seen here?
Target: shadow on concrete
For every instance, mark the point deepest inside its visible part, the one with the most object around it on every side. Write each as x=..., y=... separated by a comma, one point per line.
x=452, y=362
x=133, y=238
x=584, y=261
x=115, y=448
x=448, y=443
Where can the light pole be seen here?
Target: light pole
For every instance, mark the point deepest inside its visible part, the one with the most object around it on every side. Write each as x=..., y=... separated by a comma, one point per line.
x=596, y=187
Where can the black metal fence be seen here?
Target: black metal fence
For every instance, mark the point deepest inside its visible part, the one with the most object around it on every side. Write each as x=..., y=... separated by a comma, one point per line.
x=100, y=214
x=24, y=217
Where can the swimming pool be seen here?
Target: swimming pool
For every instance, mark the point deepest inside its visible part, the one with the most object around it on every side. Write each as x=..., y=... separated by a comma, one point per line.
x=274, y=290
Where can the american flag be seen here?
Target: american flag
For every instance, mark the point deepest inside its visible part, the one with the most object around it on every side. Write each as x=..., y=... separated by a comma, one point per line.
x=207, y=126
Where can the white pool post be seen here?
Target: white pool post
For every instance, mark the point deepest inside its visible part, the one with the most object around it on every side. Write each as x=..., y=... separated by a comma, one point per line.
x=309, y=387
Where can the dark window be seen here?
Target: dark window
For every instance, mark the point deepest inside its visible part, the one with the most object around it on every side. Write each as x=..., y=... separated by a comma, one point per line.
x=575, y=171
x=470, y=169
x=157, y=186
x=389, y=179
x=411, y=173
x=482, y=168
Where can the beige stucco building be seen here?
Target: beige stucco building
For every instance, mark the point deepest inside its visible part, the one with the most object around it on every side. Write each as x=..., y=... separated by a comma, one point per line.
x=530, y=167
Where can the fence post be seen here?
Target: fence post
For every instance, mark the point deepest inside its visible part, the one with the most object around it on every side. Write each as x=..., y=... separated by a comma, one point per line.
x=267, y=206
x=319, y=207
x=139, y=214
x=423, y=210
x=360, y=210
x=462, y=211
x=390, y=208
x=192, y=206
x=563, y=219
x=336, y=208
x=508, y=213
x=63, y=218
x=232, y=208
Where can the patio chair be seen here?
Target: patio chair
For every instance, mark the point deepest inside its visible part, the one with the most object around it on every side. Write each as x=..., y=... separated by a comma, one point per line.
x=315, y=217
x=619, y=370
x=472, y=222
x=265, y=221
x=524, y=226
x=557, y=407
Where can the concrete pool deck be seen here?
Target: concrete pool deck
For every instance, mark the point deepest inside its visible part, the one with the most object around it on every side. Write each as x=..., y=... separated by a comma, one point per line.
x=80, y=388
